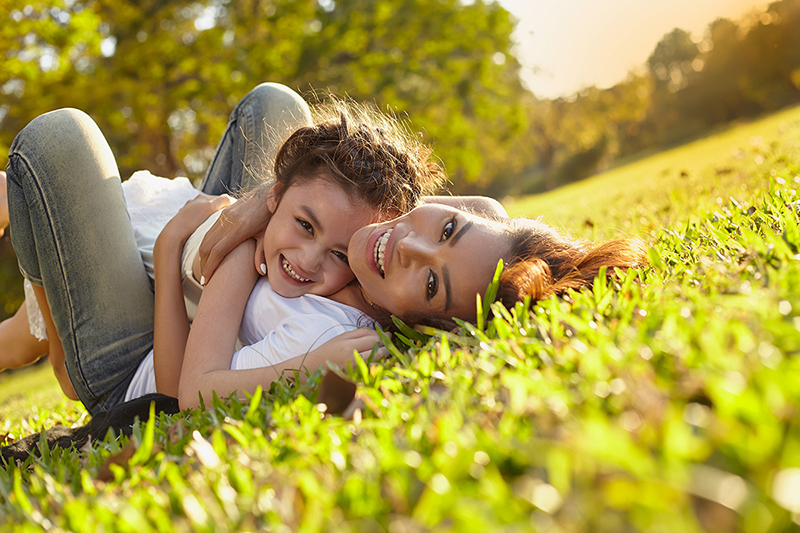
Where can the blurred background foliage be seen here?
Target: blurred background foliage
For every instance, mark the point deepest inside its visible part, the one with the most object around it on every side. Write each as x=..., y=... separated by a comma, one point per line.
x=161, y=76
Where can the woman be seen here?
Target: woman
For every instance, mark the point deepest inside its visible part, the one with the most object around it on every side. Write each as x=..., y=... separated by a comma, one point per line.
x=427, y=266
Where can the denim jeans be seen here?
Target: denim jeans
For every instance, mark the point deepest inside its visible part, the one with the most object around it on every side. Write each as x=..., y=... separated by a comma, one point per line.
x=72, y=234
x=257, y=127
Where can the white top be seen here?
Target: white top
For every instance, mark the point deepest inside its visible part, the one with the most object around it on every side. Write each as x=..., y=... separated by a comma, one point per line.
x=274, y=329
x=151, y=202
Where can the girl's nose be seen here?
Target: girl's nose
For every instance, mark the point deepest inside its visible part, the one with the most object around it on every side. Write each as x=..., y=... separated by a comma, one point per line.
x=310, y=259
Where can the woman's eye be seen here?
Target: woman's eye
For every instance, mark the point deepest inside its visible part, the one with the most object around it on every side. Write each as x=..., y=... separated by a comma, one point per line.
x=341, y=256
x=448, y=230
x=306, y=225
x=432, y=285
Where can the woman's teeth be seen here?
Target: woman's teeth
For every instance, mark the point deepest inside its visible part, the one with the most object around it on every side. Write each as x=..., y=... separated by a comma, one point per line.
x=380, y=250
x=288, y=268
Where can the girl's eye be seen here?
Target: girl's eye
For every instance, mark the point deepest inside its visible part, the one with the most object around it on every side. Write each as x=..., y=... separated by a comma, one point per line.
x=306, y=225
x=341, y=256
x=449, y=229
x=432, y=286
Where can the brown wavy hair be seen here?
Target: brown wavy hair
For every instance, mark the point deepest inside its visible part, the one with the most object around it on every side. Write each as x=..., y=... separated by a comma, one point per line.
x=370, y=155
x=546, y=262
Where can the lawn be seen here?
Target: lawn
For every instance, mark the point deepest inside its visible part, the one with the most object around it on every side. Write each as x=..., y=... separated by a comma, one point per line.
x=667, y=399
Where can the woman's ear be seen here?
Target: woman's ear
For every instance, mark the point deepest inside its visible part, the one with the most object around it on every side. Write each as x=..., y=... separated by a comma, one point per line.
x=273, y=197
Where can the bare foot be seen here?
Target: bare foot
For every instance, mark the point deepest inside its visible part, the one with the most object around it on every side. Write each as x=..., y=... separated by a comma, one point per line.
x=3, y=203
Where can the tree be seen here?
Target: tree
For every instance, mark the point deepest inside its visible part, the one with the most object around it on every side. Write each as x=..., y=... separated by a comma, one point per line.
x=670, y=65
x=160, y=76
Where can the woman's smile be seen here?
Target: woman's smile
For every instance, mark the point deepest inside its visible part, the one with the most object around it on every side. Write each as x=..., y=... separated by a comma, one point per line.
x=381, y=246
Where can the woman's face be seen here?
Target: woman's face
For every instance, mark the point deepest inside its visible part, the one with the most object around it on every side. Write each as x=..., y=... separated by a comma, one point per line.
x=433, y=261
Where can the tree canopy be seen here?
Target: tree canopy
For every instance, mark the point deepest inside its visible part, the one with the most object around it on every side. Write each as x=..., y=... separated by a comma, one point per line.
x=161, y=76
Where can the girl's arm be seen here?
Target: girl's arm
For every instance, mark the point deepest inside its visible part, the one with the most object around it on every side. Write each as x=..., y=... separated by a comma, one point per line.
x=212, y=341
x=205, y=376
x=171, y=327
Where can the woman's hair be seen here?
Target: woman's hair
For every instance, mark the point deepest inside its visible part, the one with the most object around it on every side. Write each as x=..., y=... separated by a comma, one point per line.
x=368, y=154
x=544, y=261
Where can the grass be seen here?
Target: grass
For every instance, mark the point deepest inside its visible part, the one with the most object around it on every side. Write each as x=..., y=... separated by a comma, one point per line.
x=667, y=399
x=31, y=399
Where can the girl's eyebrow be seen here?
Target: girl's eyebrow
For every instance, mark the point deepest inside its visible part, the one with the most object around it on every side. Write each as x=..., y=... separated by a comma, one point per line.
x=310, y=214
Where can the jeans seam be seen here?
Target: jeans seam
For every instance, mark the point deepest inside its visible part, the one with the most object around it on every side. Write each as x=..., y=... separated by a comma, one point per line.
x=249, y=130
x=33, y=178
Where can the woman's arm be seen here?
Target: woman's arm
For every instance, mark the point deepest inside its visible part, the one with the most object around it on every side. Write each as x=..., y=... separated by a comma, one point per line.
x=244, y=219
x=55, y=348
x=171, y=322
x=477, y=204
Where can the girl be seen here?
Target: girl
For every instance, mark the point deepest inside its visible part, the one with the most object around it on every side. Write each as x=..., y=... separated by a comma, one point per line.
x=89, y=272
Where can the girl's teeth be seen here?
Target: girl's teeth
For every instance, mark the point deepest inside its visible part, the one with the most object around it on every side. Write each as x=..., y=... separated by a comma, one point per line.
x=288, y=268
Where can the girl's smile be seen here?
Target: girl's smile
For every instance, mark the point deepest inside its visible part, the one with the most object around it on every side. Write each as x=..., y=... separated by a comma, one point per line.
x=305, y=243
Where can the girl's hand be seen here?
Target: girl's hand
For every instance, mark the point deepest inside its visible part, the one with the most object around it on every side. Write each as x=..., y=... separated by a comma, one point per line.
x=191, y=215
x=339, y=350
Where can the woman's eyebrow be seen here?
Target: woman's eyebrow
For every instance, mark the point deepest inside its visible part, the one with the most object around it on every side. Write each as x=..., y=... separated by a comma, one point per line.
x=446, y=279
x=445, y=272
x=454, y=239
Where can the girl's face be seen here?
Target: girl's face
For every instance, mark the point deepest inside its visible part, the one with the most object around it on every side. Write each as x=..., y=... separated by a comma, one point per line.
x=433, y=261
x=305, y=243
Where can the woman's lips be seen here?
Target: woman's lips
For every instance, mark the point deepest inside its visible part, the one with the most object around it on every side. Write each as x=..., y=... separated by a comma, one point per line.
x=381, y=247
x=371, y=251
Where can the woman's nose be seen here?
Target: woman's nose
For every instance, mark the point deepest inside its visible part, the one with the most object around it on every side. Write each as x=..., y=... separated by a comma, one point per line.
x=413, y=248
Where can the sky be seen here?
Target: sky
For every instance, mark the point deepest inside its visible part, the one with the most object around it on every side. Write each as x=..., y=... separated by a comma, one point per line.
x=565, y=45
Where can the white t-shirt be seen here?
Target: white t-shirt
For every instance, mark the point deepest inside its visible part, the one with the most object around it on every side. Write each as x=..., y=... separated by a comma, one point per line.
x=151, y=202
x=274, y=329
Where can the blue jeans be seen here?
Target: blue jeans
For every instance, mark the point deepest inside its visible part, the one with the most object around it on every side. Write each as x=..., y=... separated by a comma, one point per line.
x=257, y=127
x=72, y=235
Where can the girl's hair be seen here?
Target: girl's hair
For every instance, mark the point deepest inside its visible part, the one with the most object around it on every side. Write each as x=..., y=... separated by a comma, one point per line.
x=544, y=262
x=371, y=156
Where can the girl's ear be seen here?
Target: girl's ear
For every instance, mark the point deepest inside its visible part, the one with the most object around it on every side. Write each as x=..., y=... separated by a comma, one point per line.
x=272, y=197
